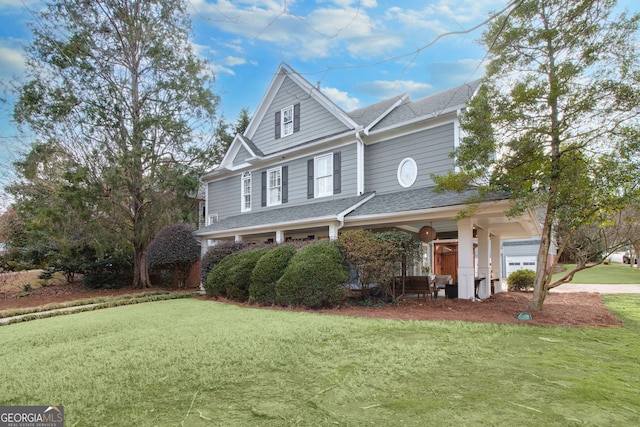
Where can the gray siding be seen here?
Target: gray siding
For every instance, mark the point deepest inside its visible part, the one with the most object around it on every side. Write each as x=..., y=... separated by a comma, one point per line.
x=429, y=148
x=242, y=155
x=527, y=247
x=315, y=121
x=224, y=195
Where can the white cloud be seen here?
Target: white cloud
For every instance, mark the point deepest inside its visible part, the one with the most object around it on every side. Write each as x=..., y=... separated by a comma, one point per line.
x=341, y=98
x=387, y=88
x=11, y=62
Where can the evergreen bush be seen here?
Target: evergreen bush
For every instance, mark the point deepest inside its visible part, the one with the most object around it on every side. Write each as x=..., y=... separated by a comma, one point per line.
x=215, y=285
x=174, y=249
x=315, y=277
x=215, y=254
x=266, y=273
x=238, y=277
x=521, y=280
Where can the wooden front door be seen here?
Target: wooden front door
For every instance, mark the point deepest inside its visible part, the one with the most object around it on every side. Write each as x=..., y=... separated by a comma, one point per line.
x=446, y=259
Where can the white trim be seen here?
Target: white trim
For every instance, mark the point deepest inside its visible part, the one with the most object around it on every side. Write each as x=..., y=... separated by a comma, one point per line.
x=283, y=124
x=359, y=164
x=269, y=188
x=212, y=219
x=246, y=176
x=316, y=188
x=406, y=183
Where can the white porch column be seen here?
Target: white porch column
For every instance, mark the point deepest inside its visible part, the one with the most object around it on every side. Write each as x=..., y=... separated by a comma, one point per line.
x=333, y=231
x=466, y=276
x=279, y=236
x=484, y=268
x=496, y=262
x=238, y=238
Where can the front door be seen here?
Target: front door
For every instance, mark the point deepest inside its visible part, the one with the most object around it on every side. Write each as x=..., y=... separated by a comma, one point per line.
x=446, y=259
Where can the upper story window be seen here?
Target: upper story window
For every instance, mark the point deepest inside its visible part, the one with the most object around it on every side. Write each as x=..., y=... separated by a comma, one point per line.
x=274, y=187
x=246, y=192
x=287, y=121
x=324, y=175
x=323, y=166
x=407, y=172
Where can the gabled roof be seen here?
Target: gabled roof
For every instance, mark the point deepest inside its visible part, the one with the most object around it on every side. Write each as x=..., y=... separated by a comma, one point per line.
x=372, y=114
x=284, y=71
x=430, y=106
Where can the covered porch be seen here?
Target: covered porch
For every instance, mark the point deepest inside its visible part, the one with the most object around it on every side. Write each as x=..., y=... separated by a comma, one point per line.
x=465, y=247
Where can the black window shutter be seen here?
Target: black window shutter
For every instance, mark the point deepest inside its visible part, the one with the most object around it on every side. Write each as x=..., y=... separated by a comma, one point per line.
x=277, y=124
x=285, y=184
x=296, y=117
x=264, y=189
x=310, y=186
x=337, y=174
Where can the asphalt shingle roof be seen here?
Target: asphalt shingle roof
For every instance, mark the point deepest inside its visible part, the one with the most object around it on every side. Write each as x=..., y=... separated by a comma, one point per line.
x=430, y=105
x=285, y=214
x=412, y=200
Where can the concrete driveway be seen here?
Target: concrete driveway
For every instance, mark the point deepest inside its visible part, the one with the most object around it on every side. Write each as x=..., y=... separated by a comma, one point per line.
x=601, y=289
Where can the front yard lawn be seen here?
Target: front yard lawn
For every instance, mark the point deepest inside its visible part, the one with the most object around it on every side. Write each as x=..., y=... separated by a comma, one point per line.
x=194, y=363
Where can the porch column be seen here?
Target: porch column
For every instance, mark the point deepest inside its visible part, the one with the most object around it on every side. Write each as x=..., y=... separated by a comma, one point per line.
x=496, y=262
x=466, y=276
x=333, y=231
x=279, y=236
x=484, y=269
x=238, y=238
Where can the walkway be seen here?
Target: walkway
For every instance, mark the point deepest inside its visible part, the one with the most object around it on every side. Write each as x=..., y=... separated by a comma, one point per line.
x=601, y=289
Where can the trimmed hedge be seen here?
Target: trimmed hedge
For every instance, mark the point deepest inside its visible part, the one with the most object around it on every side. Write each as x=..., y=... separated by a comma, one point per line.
x=216, y=285
x=238, y=277
x=266, y=273
x=215, y=254
x=521, y=280
x=314, y=278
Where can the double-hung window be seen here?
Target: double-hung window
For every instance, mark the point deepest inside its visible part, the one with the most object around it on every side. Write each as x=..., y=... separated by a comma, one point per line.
x=246, y=192
x=287, y=121
x=323, y=175
x=274, y=186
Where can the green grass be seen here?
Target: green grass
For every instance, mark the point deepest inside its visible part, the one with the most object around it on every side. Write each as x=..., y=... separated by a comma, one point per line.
x=611, y=274
x=195, y=363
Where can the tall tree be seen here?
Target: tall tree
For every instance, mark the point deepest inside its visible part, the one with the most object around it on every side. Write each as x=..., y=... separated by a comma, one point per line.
x=555, y=124
x=117, y=84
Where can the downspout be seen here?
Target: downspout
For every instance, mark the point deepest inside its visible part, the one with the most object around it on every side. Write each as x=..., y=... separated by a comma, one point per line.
x=359, y=161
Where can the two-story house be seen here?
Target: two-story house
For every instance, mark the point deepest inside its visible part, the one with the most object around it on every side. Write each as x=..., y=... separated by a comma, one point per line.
x=304, y=168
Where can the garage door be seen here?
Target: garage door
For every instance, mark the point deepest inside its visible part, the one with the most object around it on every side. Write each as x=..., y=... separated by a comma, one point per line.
x=519, y=263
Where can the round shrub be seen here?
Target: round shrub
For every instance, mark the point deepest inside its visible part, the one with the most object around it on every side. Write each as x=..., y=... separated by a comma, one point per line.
x=215, y=254
x=314, y=278
x=174, y=248
x=267, y=272
x=521, y=280
x=215, y=285
x=239, y=274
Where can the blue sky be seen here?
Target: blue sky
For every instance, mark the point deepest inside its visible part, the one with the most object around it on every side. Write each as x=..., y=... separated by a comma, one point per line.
x=357, y=51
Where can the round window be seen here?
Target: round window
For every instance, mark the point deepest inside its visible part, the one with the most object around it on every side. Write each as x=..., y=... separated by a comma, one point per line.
x=407, y=172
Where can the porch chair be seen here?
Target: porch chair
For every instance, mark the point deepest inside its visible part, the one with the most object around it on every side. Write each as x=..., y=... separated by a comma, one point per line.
x=440, y=282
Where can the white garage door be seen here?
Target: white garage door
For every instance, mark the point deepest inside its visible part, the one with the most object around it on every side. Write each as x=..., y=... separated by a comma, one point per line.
x=520, y=262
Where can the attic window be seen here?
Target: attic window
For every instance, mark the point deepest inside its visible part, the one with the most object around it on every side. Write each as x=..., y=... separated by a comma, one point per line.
x=287, y=121
x=407, y=172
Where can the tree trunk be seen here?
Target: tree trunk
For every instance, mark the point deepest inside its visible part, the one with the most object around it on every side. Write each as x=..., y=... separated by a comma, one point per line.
x=540, y=284
x=140, y=269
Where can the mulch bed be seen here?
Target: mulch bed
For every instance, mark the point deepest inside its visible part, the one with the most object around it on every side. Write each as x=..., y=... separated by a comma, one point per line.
x=578, y=309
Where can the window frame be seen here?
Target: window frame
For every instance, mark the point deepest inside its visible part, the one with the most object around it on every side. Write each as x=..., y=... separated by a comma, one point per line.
x=286, y=125
x=271, y=202
x=316, y=176
x=407, y=183
x=245, y=197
